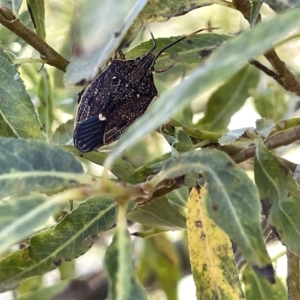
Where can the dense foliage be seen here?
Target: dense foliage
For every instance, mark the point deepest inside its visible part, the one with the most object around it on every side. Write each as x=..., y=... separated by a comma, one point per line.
x=228, y=189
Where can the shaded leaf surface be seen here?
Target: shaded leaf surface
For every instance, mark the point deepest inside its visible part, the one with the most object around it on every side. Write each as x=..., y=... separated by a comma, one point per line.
x=72, y=237
x=45, y=108
x=159, y=257
x=16, y=108
x=257, y=287
x=179, y=196
x=211, y=255
x=233, y=201
x=272, y=104
x=37, y=12
x=279, y=192
x=31, y=165
x=158, y=214
x=228, y=99
x=63, y=135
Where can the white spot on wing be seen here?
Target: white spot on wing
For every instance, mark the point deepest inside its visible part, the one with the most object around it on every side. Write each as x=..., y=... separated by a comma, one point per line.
x=101, y=117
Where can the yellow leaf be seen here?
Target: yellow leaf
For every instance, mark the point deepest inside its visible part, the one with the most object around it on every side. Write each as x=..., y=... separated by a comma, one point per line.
x=211, y=254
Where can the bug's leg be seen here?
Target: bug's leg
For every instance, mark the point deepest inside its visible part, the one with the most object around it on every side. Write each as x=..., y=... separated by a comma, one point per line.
x=71, y=205
x=121, y=54
x=80, y=95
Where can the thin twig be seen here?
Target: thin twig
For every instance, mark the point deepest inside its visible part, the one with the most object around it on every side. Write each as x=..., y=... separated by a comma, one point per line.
x=293, y=277
x=275, y=141
x=267, y=71
x=48, y=54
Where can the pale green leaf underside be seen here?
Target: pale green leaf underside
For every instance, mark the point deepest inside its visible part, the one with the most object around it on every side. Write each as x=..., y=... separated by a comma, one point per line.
x=101, y=36
x=31, y=165
x=72, y=237
x=280, y=193
x=20, y=216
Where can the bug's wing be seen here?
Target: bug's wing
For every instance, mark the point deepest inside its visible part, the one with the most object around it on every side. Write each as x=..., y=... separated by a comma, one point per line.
x=88, y=135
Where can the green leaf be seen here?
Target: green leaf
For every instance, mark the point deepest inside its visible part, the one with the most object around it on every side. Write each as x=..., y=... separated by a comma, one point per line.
x=29, y=285
x=37, y=12
x=185, y=116
x=121, y=168
x=5, y=130
x=212, y=137
x=279, y=193
x=30, y=165
x=45, y=108
x=162, y=258
x=46, y=293
x=184, y=143
x=123, y=284
x=271, y=104
x=221, y=64
x=72, y=237
x=179, y=196
x=158, y=214
x=193, y=50
x=233, y=201
x=96, y=51
x=257, y=287
x=20, y=216
x=16, y=108
x=63, y=135
x=228, y=99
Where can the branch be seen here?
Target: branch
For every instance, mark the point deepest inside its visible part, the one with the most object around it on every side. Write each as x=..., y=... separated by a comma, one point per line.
x=48, y=54
x=275, y=141
x=289, y=82
x=293, y=277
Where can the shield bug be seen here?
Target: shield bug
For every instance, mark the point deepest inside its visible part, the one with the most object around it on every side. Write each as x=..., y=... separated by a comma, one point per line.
x=115, y=99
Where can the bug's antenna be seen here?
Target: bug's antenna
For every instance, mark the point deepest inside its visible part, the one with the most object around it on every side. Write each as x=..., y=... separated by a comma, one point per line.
x=153, y=41
x=179, y=40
